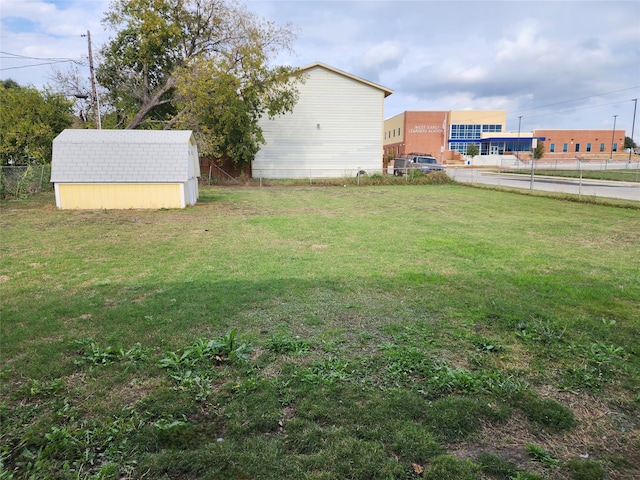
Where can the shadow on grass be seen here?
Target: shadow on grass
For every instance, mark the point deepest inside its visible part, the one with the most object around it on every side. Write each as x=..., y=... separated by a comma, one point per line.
x=343, y=316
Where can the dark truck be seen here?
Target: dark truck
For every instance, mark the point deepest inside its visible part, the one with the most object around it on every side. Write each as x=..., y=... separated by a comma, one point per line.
x=424, y=163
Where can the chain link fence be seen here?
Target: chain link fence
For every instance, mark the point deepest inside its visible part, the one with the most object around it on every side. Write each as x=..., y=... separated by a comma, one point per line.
x=16, y=182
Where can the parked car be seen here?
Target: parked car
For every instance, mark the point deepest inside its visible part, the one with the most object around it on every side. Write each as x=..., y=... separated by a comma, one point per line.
x=424, y=163
x=429, y=164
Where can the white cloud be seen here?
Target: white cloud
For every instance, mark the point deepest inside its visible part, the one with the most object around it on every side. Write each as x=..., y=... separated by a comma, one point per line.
x=388, y=54
x=520, y=56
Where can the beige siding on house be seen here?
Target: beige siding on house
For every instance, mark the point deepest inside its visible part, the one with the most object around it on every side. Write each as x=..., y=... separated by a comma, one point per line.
x=335, y=130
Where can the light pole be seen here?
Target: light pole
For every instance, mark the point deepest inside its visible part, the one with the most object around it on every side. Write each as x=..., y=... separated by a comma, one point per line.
x=613, y=135
x=534, y=144
x=518, y=143
x=633, y=125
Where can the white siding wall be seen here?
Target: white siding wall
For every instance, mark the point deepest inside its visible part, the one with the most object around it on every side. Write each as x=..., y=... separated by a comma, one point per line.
x=335, y=130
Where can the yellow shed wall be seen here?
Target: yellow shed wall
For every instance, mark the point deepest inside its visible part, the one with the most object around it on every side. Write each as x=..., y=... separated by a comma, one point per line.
x=119, y=196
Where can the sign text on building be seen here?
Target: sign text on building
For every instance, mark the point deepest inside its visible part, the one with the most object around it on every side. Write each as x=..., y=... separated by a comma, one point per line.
x=426, y=129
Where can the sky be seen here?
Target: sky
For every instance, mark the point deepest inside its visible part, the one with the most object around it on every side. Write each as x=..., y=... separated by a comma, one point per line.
x=548, y=64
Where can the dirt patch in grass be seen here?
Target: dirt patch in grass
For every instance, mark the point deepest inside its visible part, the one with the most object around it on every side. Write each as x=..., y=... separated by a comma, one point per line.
x=599, y=436
x=513, y=453
x=128, y=394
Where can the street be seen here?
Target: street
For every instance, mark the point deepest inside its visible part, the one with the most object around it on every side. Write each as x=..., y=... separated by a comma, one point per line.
x=591, y=188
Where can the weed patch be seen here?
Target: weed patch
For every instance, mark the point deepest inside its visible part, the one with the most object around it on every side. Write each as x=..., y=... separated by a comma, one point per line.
x=586, y=470
x=92, y=353
x=283, y=344
x=497, y=467
x=446, y=467
x=546, y=413
x=539, y=454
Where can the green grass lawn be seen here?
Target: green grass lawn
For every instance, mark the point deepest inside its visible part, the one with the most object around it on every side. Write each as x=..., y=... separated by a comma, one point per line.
x=322, y=332
x=627, y=175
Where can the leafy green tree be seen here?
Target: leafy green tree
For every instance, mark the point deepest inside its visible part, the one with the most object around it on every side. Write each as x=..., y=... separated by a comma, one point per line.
x=197, y=64
x=472, y=150
x=629, y=143
x=538, y=152
x=29, y=121
x=223, y=106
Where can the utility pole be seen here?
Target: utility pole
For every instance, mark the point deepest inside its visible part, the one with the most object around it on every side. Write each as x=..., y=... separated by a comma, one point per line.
x=518, y=143
x=94, y=91
x=613, y=136
x=534, y=144
x=633, y=126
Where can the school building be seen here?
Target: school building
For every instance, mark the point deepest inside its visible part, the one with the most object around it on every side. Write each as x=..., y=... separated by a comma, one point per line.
x=446, y=135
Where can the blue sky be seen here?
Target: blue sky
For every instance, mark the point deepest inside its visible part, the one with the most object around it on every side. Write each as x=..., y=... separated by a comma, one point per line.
x=558, y=64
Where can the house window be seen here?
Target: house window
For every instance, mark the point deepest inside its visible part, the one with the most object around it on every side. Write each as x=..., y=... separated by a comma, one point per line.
x=577, y=147
x=398, y=131
x=588, y=147
x=602, y=147
x=552, y=148
x=615, y=147
x=565, y=147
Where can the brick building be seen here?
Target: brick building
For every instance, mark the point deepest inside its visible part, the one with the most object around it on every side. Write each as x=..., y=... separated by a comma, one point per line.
x=447, y=134
x=409, y=132
x=581, y=143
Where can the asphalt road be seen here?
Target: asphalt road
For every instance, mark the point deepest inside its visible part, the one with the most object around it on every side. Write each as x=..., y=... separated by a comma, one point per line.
x=591, y=188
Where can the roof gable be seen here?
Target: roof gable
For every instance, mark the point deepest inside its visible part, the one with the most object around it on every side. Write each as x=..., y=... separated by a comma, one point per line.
x=386, y=91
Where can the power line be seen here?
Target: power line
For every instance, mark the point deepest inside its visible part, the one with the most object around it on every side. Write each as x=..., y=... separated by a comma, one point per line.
x=37, y=65
x=516, y=113
x=578, y=99
x=46, y=60
x=575, y=109
x=17, y=56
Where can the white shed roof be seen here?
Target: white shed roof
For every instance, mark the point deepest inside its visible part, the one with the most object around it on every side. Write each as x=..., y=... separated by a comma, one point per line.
x=124, y=156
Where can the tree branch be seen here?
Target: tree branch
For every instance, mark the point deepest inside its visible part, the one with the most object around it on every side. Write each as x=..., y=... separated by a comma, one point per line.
x=175, y=118
x=153, y=102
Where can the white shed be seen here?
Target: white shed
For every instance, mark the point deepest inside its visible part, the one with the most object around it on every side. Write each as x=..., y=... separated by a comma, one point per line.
x=120, y=169
x=334, y=130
